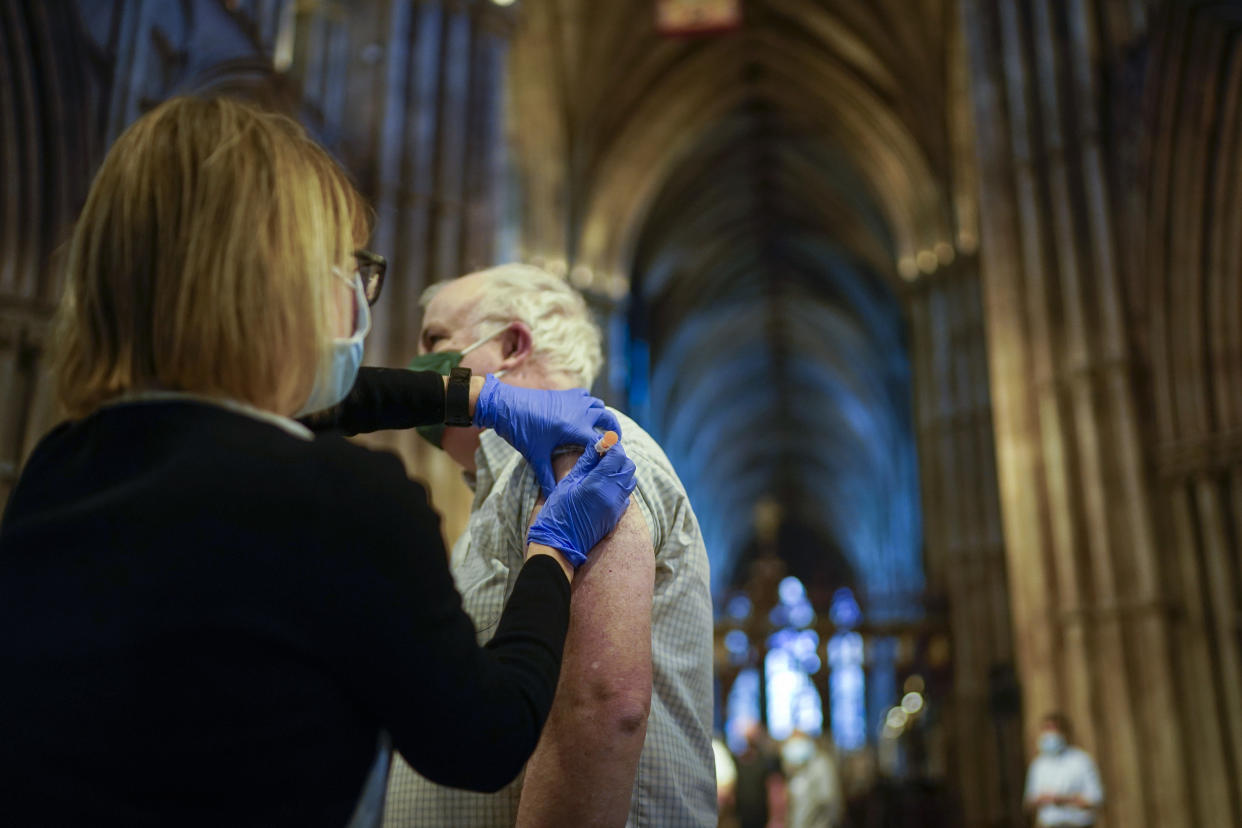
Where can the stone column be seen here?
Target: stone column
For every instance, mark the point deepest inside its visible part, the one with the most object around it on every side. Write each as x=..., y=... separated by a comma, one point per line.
x=49, y=107
x=965, y=554
x=1186, y=292
x=1090, y=609
x=424, y=138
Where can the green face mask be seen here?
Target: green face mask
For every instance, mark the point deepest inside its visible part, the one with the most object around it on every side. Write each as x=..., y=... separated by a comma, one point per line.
x=443, y=363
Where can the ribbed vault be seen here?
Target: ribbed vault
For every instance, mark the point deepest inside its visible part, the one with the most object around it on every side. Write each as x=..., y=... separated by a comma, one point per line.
x=767, y=194
x=809, y=61
x=776, y=354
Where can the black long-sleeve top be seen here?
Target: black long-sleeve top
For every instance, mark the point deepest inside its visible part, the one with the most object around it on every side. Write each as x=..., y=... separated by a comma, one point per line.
x=385, y=398
x=206, y=620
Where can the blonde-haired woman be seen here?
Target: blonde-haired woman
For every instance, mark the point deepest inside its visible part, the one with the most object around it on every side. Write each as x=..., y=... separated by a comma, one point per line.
x=209, y=616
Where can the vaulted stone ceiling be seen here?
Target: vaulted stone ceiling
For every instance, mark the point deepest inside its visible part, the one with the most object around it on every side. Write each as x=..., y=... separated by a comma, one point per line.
x=778, y=365
x=766, y=195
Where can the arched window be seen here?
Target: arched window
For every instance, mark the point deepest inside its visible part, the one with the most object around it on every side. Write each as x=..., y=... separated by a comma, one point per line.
x=793, y=701
x=846, y=683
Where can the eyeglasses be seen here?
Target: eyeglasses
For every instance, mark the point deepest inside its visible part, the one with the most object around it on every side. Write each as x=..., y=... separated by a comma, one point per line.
x=370, y=269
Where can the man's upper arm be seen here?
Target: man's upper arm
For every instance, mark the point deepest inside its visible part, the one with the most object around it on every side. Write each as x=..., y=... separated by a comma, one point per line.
x=610, y=619
x=608, y=651
x=583, y=771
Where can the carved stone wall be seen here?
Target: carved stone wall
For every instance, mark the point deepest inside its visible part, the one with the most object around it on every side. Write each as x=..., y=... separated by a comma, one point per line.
x=1185, y=313
x=50, y=139
x=1108, y=165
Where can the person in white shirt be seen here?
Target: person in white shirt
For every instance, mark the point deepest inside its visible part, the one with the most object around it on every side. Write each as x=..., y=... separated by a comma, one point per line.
x=1063, y=784
x=815, y=799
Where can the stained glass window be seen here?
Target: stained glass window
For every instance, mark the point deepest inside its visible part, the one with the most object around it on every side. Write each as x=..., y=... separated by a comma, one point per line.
x=847, y=692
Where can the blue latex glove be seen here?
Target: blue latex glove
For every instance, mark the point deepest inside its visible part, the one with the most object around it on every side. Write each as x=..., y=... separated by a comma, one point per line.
x=535, y=421
x=586, y=505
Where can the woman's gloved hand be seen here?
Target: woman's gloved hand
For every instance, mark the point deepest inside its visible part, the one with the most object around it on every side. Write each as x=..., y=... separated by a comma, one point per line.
x=586, y=505
x=535, y=421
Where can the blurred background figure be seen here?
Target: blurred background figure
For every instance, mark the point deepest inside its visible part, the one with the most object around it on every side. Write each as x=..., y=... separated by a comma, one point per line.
x=1063, y=784
x=726, y=783
x=760, y=784
x=860, y=780
x=814, y=787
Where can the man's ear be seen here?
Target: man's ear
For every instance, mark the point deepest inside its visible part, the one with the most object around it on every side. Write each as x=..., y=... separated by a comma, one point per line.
x=516, y=345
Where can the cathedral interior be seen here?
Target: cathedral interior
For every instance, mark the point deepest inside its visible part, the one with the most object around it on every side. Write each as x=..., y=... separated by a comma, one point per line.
x=932, y=304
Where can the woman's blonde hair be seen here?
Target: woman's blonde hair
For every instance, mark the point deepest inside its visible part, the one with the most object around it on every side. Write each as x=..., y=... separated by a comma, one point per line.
x=203, y=259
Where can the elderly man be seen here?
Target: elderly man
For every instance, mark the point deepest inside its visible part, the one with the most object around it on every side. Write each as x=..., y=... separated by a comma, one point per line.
x=628, y=741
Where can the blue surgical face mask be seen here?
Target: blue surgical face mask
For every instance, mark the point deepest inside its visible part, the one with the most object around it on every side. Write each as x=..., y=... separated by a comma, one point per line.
x=798, y=751
x=1051, y=743
x=443, y=363
x=344, y=356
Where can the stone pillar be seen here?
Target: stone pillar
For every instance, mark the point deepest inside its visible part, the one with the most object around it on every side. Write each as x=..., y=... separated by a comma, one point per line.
x=425, y=141
x=49, y=109
x=965, y=553
x=1090, y=607
x=1186, y=292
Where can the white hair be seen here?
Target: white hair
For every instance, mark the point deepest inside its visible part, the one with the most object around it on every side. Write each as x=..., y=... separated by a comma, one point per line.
x=564, y=336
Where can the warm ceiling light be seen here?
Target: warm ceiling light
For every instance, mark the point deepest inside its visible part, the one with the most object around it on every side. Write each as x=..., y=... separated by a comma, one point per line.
x=503, y=2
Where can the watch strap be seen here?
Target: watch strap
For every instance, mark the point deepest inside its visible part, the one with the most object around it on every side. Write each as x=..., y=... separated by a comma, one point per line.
x=457, y=398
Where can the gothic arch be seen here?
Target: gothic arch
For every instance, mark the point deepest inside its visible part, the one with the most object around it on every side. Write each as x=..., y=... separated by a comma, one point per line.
x=49, y=138
x=1187, y=310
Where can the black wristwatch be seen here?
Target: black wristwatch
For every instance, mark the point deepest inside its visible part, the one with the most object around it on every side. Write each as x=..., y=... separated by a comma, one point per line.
x=457, y=398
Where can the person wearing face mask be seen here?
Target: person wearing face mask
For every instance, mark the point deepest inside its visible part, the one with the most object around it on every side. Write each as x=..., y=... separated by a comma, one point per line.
x=628, y=740
x=814, y=790
x=208, y=615
x=1063, y=784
